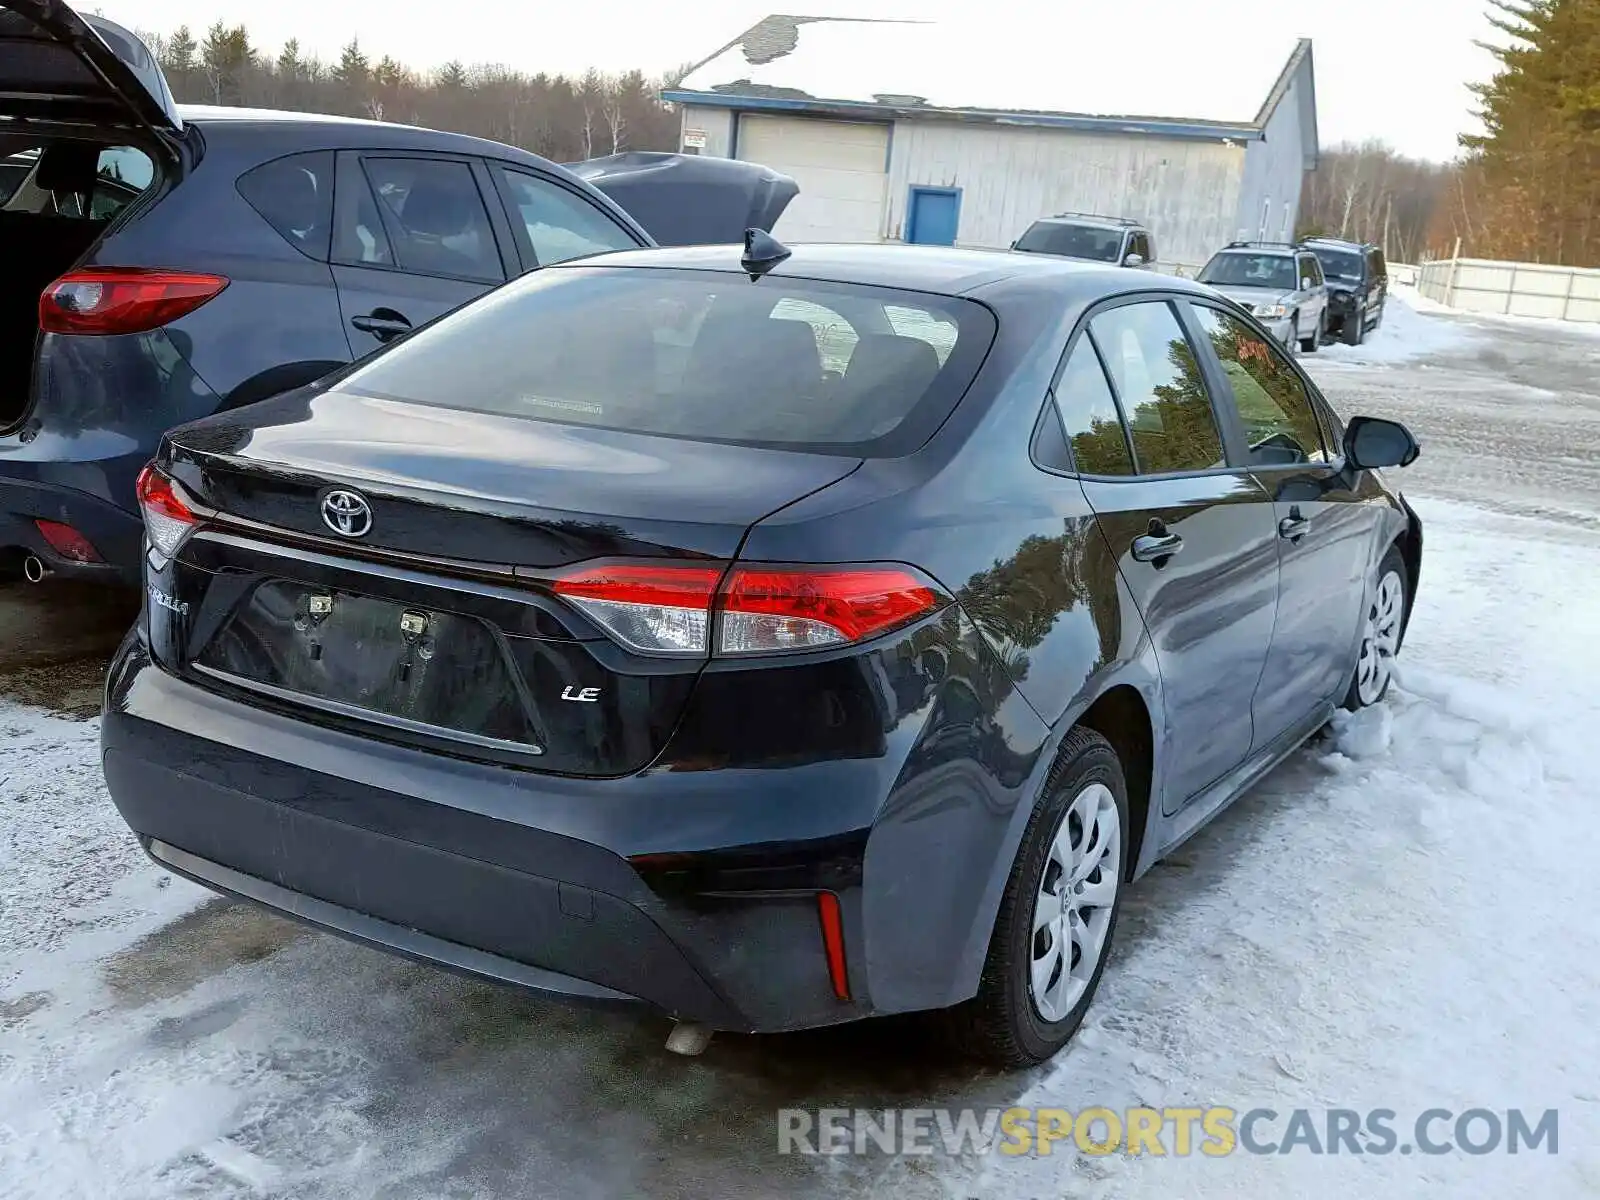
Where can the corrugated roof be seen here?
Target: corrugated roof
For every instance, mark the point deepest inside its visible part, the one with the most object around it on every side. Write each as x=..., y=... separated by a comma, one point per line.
x=1092, y=62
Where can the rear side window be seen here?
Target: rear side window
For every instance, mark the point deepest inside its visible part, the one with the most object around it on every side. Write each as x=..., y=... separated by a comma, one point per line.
x=1089, y=415
x=792, y=364
x=295, y=195
x=1158, y=380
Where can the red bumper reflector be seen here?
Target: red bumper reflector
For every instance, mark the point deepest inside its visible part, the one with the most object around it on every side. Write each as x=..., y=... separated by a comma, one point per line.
x=68, y=542
x=833, y=942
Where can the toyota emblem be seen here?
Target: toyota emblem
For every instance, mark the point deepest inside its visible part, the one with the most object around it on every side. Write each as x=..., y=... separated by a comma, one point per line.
x=346, y=513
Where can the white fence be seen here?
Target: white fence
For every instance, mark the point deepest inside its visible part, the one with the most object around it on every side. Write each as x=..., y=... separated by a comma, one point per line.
x=1404, y=273
x=1513, y=289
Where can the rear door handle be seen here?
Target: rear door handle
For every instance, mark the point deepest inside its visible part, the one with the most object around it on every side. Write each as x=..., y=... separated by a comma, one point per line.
x=1155, y=547
x=385, y=324
x=1294, y=526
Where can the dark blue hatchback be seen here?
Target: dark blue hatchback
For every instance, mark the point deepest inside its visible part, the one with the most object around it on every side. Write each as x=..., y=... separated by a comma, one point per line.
x=165, y=262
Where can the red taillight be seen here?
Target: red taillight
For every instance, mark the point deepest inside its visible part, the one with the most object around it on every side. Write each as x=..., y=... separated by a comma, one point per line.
x=769, y=608
x=833, y=943
x=67, y=542
x=660, y=610
x=123, y=299
x=167, y=517
x=759, y=609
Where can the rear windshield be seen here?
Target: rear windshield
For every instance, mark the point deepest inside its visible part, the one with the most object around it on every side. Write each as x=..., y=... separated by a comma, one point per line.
x=1250, y=270
x=790, y=364
x=1072, y=241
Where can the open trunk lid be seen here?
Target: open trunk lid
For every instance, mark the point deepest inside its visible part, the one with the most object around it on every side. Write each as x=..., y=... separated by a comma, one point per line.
x=687, y=200
x=391, y=567
x=62, y=68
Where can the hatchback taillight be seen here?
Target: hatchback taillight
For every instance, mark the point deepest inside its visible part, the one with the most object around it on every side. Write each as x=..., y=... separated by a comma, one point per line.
x=168, y=519
x=104, y=300
x=757, y=609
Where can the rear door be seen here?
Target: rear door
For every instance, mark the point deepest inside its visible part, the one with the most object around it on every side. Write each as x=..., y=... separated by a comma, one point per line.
x=1315, y=309
x=1193, y=535
x=413, y=239
x=56, y=65
x=1377, y=282
x=1324, y=529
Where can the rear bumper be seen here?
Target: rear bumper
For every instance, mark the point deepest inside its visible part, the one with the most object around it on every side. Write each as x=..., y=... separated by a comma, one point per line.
x=464, y=865
x=115, y=532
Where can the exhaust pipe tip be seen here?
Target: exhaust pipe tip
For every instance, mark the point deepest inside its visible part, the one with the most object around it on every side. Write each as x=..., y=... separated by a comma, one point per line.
x=33, y=569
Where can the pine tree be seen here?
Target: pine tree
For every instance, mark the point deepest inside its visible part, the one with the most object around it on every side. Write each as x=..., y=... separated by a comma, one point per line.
x=1536, y=166
x=289, y=64
x=227, y=56
x=353, y=70
x=180, y=52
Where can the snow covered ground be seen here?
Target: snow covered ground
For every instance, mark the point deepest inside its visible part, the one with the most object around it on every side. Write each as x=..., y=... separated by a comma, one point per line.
x=1402, y=916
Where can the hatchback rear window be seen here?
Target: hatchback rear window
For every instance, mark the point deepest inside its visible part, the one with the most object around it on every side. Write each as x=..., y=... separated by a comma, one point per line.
x=790, y=364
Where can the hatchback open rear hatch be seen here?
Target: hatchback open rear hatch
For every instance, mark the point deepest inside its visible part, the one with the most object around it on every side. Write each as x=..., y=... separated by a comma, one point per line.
x=61, y=68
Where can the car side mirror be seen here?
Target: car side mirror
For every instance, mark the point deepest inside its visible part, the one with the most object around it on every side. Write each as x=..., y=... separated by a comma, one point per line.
x=1133, y=260
x=1306, y=285
x=1372, y=442
x=1014, y=244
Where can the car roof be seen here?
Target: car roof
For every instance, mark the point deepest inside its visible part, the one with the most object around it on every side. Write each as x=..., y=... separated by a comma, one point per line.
x=1260, y=251
x=1095, y=222
x=373, y=133
x=228, y=112
x=942, y=270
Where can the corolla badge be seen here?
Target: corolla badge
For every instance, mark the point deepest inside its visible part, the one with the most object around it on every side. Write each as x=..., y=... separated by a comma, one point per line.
x=346, y=513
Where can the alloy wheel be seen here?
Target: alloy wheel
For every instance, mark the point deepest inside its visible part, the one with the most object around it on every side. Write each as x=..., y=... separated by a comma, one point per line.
x=1076, y=898
x=1380, y=638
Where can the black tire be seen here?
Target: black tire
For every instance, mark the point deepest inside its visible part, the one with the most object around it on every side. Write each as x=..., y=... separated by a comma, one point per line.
x=1000, y=1026
x=1392, y=563
x=1309, y=345
x=1354, y=331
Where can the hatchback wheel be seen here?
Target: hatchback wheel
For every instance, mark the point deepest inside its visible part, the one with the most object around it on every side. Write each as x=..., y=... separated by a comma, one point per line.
x=1380, y=634
x=1058, y=915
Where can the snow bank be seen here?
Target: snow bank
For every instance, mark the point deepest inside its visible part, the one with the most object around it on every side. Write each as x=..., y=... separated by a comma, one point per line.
x=1423, y=304
x=1409, y=331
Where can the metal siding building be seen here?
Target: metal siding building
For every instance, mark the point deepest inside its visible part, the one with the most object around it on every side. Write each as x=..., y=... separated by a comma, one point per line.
x=869, y=162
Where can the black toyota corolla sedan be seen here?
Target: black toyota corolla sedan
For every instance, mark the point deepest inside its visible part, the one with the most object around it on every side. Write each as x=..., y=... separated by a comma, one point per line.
x=775, y=638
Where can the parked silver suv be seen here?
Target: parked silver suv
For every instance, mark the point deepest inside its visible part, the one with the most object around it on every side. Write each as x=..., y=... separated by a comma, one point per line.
x=1281, y=283
x=1090, y=237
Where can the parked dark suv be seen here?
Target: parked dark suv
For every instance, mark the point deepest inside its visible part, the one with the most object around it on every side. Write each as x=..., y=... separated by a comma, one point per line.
x=164, y=263
x=1358, y=286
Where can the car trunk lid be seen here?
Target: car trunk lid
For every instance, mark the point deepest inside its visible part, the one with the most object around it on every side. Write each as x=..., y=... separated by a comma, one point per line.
x=687, y=200
x=60, y=67
x=433, y=618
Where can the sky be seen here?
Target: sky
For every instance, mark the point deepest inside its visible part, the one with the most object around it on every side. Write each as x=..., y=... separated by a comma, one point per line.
x=1396, y=70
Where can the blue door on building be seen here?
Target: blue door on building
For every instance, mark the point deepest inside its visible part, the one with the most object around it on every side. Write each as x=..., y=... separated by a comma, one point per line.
x=932, y=216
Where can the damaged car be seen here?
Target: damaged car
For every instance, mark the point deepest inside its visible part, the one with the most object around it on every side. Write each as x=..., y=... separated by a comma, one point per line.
x=168, y=262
